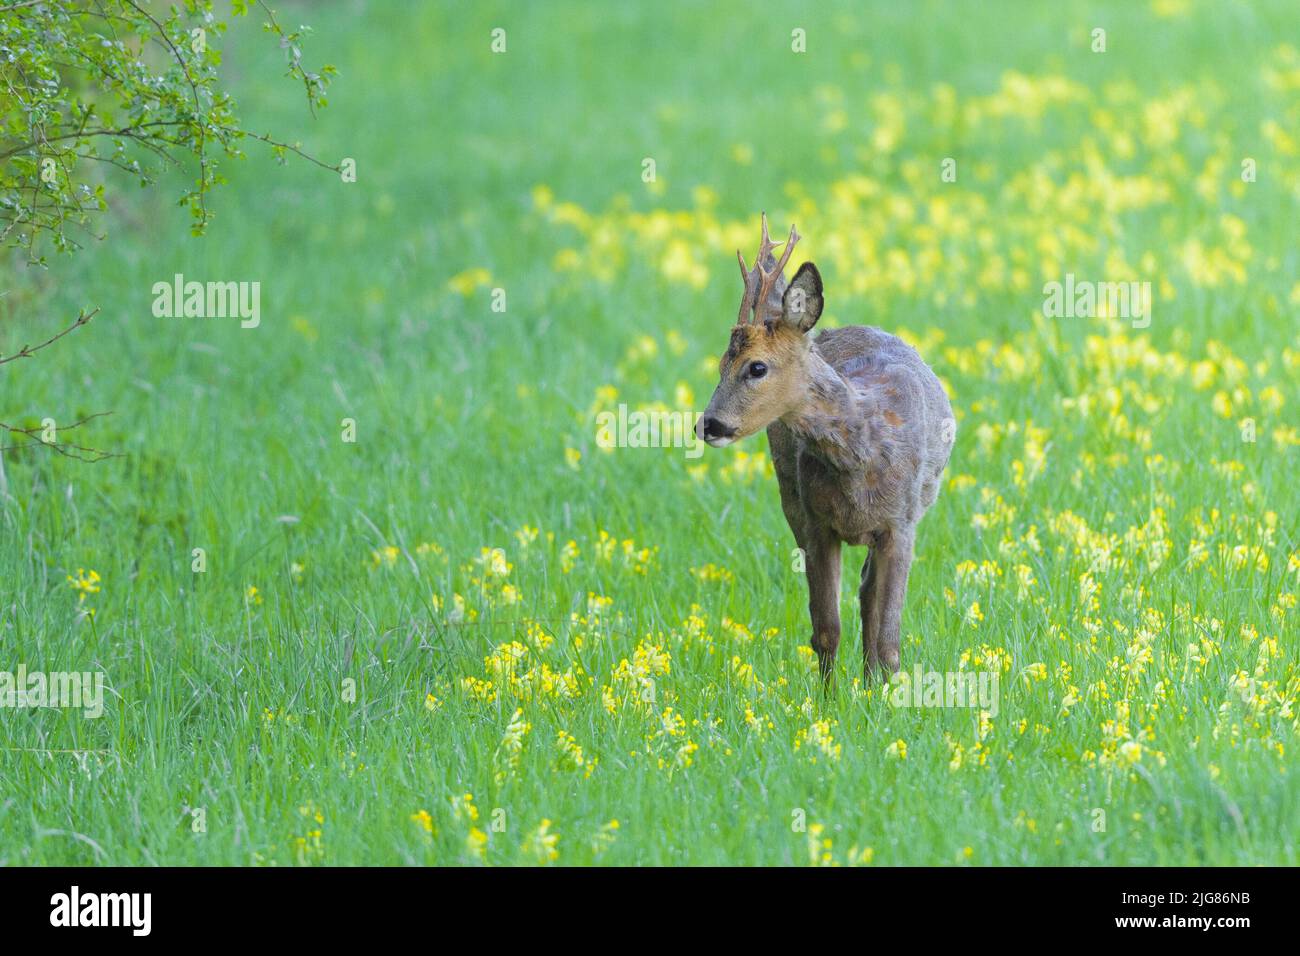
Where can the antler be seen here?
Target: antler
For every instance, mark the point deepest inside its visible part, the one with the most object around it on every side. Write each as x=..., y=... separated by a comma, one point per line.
x=765, y=279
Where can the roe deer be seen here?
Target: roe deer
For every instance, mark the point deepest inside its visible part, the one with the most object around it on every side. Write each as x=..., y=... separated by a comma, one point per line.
x=860, y=432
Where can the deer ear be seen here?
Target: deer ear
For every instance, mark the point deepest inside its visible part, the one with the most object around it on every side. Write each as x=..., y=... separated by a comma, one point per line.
x=801, y=306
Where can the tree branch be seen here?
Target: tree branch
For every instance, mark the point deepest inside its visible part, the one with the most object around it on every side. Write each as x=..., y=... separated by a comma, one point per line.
x=66, y=449
x=27, y=351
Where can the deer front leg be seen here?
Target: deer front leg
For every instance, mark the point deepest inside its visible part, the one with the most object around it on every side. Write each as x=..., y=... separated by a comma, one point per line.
x=870, y=614
x=823, y=550
x=894, y=555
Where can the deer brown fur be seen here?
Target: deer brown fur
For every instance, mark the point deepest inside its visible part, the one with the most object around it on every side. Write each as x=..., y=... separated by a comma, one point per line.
x=860, y=431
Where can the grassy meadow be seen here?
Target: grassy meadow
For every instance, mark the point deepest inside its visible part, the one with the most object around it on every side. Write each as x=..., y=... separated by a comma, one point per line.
x=473, y=635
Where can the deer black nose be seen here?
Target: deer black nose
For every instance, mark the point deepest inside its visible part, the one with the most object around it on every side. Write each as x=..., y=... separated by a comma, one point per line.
x=715, y=429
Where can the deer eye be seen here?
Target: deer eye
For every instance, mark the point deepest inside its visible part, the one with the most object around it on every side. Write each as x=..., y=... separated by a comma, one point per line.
x=757, y=369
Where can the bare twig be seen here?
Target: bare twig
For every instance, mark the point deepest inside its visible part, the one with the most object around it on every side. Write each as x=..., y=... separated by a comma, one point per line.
x=279, y=145
x=27, y=351
x=66, y=449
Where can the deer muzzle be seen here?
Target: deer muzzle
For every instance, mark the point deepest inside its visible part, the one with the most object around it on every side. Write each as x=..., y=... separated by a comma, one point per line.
x=714, y=432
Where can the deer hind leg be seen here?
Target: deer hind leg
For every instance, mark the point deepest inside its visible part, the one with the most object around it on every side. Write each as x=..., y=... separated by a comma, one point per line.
x=824, y=598
x=895, y=557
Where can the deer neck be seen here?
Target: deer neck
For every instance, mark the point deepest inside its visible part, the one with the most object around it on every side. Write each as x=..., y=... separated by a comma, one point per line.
x=827, y=420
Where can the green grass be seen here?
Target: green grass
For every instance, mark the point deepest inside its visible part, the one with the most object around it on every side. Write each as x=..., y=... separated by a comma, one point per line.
x=230, y=441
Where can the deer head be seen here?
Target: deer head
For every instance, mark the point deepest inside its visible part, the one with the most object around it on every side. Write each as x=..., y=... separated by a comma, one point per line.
x=764, y=372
